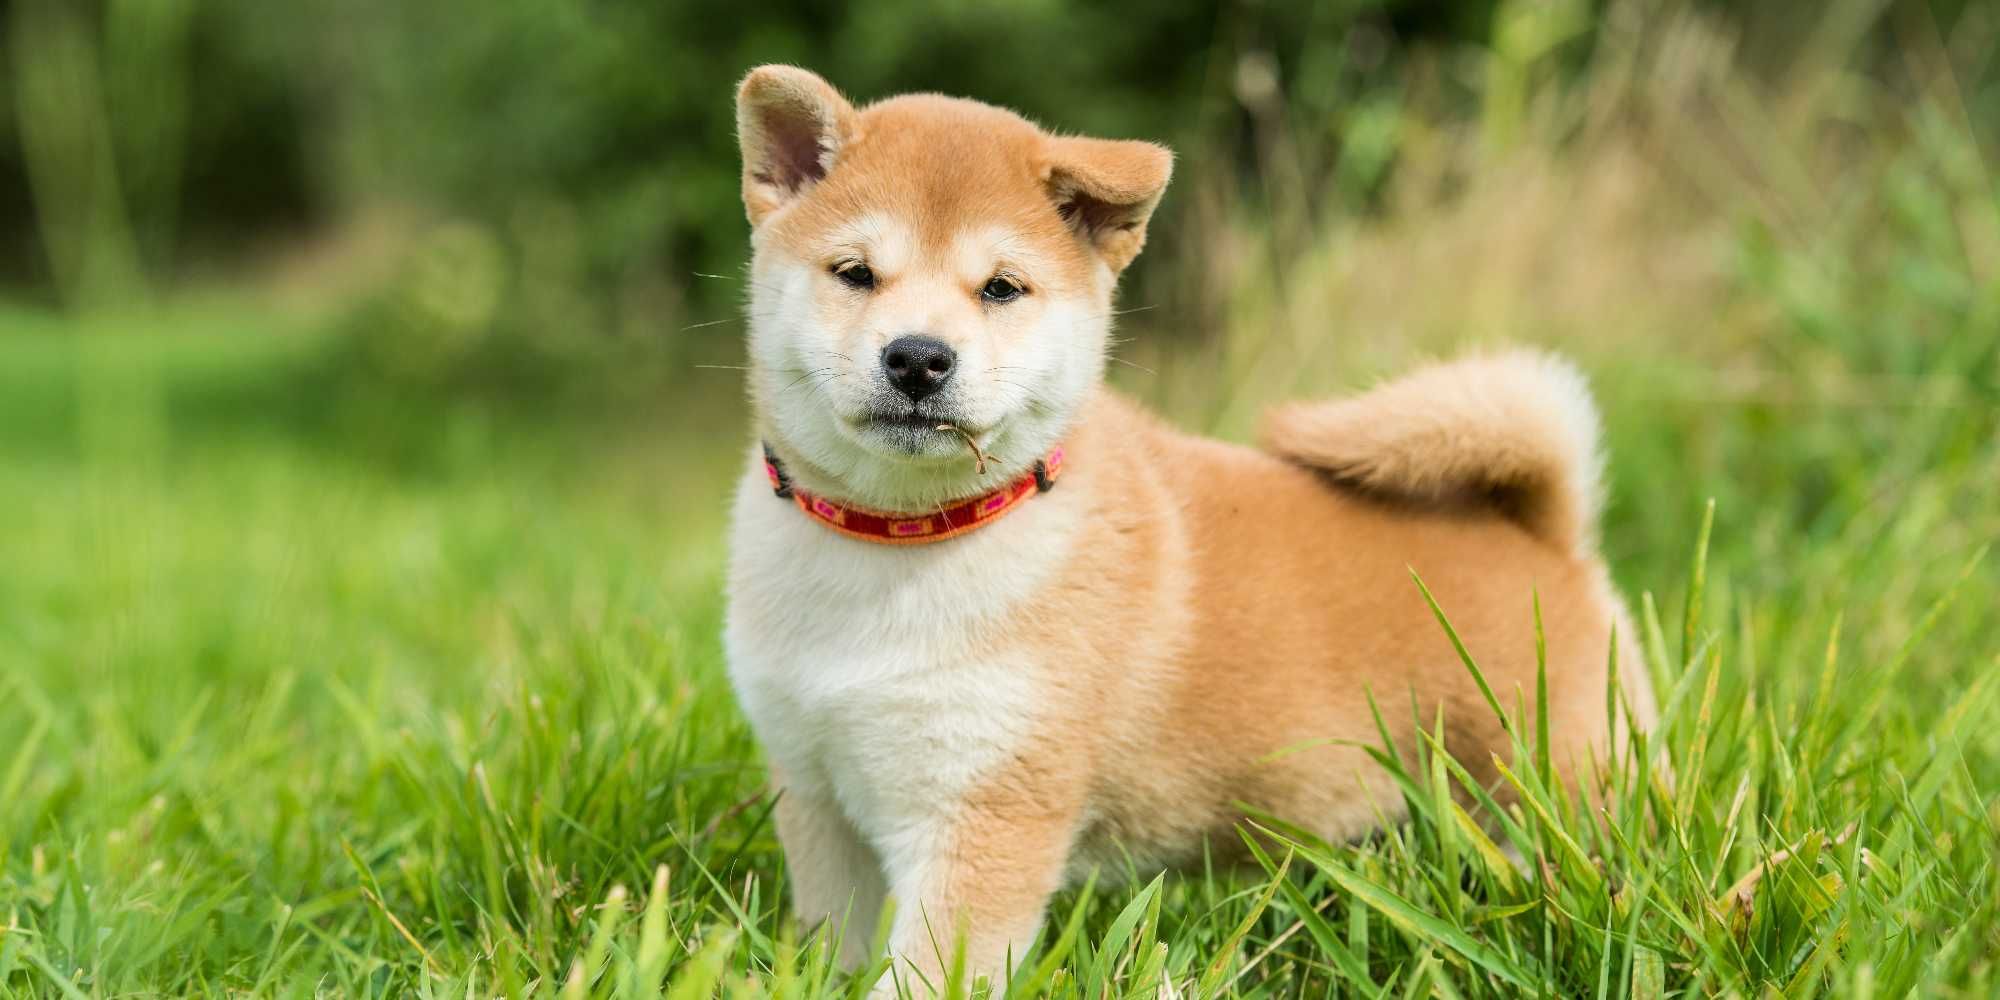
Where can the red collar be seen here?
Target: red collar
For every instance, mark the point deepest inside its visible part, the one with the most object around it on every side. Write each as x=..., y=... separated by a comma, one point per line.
x=917, y=529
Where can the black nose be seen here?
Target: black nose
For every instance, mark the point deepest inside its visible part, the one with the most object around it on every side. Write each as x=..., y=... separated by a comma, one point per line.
x=918, y=366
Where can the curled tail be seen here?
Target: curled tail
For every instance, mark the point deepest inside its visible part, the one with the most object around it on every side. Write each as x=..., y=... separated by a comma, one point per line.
x=1515, y=432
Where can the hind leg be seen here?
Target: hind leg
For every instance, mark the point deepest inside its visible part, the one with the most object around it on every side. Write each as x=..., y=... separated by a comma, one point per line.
x=1590, y=722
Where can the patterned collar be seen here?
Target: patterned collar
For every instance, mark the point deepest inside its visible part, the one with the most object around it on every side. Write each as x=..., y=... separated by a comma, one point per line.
x=916, y=529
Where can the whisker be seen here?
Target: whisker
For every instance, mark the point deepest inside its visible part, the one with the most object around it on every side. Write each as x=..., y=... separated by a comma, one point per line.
x=1130, y=364
x=713, y=322
x=818, y=388
x=1028, y=394
x=733, y=368
x=807, y=375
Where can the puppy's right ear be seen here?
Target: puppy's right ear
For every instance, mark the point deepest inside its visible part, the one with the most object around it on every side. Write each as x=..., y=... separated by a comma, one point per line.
x=791, y=125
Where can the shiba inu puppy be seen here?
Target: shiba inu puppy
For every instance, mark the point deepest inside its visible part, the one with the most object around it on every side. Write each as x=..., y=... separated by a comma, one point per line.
x=996, y=626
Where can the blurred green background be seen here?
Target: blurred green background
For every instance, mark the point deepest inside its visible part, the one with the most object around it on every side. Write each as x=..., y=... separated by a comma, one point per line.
x=202, y=134
x=367, y=414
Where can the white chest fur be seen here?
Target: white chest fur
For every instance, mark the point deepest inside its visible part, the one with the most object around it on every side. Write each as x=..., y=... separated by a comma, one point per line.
x=879, y=674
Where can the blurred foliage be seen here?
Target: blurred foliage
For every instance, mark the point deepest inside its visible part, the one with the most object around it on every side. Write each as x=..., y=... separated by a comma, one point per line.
x=580, y=155
x=156, y=137
x=202, y=124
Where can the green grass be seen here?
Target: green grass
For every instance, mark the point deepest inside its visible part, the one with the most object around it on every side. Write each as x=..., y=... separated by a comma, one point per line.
x=316, y=680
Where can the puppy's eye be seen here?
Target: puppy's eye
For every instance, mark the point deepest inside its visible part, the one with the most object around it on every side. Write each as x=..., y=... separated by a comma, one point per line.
x=855, y=274
x=1002, y=289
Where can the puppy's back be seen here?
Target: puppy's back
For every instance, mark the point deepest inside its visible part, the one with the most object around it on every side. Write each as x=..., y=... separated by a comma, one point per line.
x=1295, y=603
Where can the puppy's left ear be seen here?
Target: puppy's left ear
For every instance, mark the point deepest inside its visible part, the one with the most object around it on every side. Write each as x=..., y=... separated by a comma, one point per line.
x=791, y=125
x=1107, y=189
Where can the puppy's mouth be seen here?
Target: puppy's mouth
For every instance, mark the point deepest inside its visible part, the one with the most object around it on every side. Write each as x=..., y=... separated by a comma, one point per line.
x=916, y=420
x=911, y=422
x=929, y=436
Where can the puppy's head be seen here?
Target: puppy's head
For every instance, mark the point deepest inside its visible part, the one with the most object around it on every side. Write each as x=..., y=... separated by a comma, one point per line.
x=926, y=261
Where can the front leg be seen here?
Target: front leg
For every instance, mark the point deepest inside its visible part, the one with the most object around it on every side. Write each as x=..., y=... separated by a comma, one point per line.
x=982, y=874
x=835, y=875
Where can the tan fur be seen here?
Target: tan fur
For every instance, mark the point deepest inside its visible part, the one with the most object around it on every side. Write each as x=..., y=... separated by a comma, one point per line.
x=1207, y=621
x=1515, y=432
x=776, y=107
x=1236, y=613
